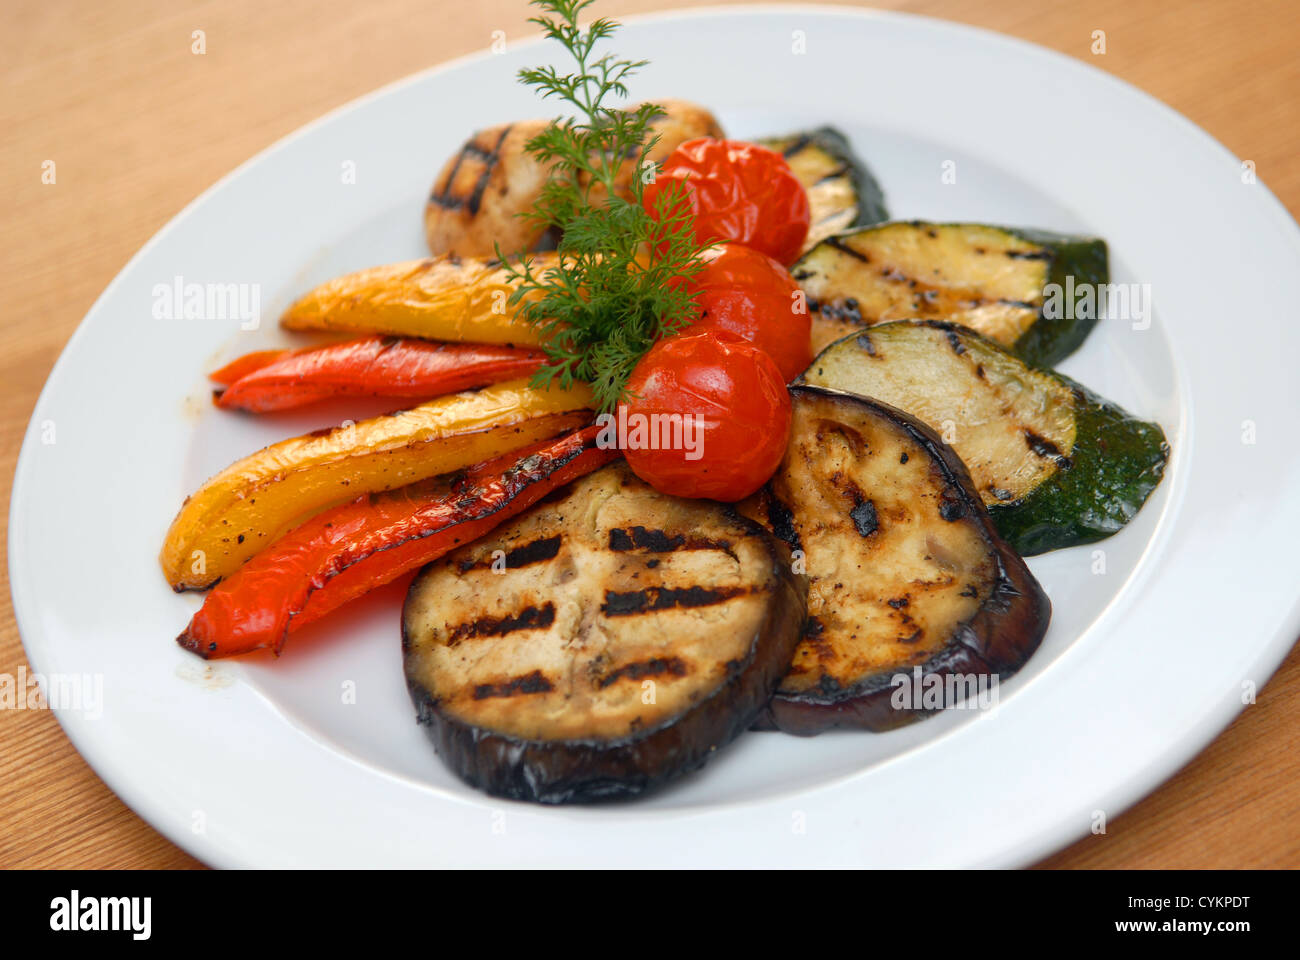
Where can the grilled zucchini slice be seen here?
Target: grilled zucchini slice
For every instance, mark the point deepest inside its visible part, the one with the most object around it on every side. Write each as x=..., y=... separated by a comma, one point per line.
x=904, y=566
x=606, y=641
x=842, y=193
x=1008, y=284
x=1055, y=464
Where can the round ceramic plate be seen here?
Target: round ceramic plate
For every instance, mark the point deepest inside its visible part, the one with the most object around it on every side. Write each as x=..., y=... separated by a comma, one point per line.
x=1158, y=635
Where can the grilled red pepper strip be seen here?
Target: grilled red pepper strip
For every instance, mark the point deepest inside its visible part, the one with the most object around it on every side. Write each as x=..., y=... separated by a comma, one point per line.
x=344, y=552
x=371, y=366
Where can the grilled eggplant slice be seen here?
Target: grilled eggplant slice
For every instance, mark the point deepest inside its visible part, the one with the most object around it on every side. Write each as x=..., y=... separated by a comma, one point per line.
x=1055, y=464
x=606, y=641
x=1006, y=283
x=842, y=193
x=904, y=566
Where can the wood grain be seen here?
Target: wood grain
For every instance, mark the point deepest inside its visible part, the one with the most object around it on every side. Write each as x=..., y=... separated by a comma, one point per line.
x=138, y=126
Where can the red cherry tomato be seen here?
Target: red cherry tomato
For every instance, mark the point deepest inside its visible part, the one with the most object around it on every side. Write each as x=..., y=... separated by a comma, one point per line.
x=753, y=296
x=737, y=191
x=709, y=417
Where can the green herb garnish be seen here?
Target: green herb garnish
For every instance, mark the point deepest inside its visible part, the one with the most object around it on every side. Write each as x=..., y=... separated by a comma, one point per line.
x=609, y=298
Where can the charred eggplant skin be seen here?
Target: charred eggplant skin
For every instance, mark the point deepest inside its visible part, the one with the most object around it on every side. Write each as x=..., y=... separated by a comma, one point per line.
x=598, y=770
x=997, y=640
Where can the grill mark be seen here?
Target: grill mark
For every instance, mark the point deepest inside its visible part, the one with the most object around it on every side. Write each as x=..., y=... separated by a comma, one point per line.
x=535, y=552
x=489, y=163
x=654, y=667
x=530, y=618
x=952, y=505
x=846, y=309
x=1028, y=255
x=656, y=541
x=449, y=201
x=1042, y=447
x=836, y=243
x=444, y=198
x=863, y=513
x=534, y=682
x=653, y=599
x=814, y=638
x=864, y=518
x=522, y=556
x=835, y=174
x=800, y=142
x=781, y=519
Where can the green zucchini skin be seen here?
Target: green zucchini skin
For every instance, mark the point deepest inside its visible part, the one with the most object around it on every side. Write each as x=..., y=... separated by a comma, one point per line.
x=869, y=199
x=1052, y=339
x=1116, y=463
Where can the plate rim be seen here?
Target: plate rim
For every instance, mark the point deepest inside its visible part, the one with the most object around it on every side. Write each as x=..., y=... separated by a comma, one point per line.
x=1133, y=788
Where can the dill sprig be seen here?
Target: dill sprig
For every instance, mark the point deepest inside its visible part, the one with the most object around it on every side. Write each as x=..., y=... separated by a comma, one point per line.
x=608, y=298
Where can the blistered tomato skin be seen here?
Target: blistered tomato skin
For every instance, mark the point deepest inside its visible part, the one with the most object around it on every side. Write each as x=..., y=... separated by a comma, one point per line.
x=732, y=418
x=737, y=191
x=751, y=295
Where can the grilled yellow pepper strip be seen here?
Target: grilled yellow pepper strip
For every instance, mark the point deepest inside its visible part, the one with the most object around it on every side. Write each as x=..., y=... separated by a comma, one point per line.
x=252, y=502
x=442, y=298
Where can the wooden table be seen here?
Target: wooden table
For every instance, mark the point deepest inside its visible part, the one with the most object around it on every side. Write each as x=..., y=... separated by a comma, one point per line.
x=138, y=125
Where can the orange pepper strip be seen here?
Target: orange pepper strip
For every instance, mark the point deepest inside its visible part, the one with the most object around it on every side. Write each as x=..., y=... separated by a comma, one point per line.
x=374, y=366
x=246, y=364
x=345, y=552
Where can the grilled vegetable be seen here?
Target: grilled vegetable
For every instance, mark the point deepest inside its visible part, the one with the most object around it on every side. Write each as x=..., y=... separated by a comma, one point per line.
x=477, y=196
x=342, y=553
x=373, y=366
x=252, y=502
x=606, y=641
x=1055, y=464
x=708, y=417
x=841, y=191
x=733, y=191
x=905, y=569
x=1008, y=284
x=443, y=298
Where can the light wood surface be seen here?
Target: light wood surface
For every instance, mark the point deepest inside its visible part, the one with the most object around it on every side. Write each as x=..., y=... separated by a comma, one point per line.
x=138, y=125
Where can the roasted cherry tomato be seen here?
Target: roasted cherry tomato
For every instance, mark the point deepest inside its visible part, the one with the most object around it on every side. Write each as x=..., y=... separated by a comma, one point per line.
x=753, y=296
x=737, y=191
x=708, y=416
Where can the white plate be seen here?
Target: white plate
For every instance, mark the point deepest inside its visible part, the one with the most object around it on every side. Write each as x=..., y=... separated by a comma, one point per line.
x=263, y=763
